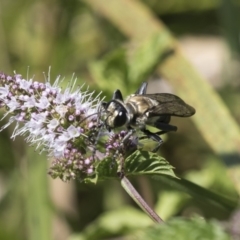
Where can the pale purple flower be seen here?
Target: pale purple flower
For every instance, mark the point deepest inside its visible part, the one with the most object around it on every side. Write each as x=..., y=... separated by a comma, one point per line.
x=43, y=103
x=31, y=102
x=54, y=120
x=61, y=110
x=12, y=104
x=4, y=91
x=53, y=124
x=24, y=84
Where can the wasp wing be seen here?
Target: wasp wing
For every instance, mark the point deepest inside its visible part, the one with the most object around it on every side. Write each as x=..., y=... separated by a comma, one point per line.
x=169, y=104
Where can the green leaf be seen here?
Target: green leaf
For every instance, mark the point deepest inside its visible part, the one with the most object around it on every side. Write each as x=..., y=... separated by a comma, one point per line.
x=147, y=56
x=198, y=192
x=111, y=71
x=37, y=199
x=107, y=169
x=138, y=163
x=112, y=223
x=183, y=229
x=147, y=163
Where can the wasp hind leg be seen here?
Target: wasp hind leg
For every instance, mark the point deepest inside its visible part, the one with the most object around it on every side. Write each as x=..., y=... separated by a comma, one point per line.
x=156, y=136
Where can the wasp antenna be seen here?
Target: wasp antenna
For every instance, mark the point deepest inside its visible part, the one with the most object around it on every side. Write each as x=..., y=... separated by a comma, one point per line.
x=143, y=89
x=88, y=117
x=117, y=95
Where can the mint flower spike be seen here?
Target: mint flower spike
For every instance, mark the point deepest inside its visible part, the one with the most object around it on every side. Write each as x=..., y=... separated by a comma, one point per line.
x=62, y=122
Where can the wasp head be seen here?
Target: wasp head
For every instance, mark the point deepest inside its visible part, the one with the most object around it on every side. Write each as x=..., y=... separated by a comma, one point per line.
x=116, y=114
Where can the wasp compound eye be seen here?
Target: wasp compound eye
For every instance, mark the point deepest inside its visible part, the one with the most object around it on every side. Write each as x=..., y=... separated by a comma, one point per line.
x=120, y=119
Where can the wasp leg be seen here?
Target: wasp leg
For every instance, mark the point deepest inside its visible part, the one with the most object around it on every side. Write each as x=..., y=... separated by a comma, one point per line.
x=155, y=137
x=165, y=127
x=146, y=136
x=94, y=139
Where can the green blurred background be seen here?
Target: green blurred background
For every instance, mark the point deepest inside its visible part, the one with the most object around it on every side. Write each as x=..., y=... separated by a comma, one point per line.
x=109, y=45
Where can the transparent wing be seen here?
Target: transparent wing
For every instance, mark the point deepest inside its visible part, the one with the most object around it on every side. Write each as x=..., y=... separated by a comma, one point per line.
x=169, y=104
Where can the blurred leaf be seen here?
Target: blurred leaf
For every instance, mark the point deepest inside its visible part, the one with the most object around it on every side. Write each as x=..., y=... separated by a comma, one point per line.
x=37, y=198
x=6, y=154
x=181, y=6
x=169, y=203
x=212, y=174
x=11, y=206
x=198, y=192
x=113, y=223
x=183, y=229
x=128, y=220
x=111, y=71
x=126, y=72
x=147, y=56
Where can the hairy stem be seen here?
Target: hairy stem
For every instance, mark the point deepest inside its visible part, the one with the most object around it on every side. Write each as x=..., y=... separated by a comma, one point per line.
x=139, y=200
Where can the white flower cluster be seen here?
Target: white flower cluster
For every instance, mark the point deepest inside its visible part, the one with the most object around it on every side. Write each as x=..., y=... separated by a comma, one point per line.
x=53, y=119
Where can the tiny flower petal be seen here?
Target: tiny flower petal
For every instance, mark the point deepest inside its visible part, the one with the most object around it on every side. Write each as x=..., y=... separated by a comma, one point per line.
x=61, y=110
x=4, y=91
x=43, y=103
x=53, y=123
x=73, y=132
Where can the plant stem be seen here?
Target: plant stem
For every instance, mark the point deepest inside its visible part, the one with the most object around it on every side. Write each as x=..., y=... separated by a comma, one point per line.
x=139, y=200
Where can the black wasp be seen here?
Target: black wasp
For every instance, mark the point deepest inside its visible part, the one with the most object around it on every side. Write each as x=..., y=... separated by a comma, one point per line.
x=141, y=109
